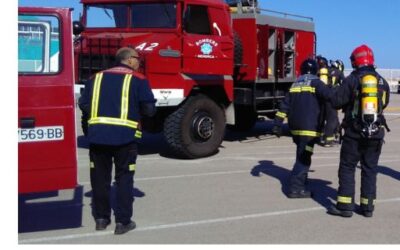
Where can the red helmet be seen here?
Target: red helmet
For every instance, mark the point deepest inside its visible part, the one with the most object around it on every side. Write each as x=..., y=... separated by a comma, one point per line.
x=362, y=56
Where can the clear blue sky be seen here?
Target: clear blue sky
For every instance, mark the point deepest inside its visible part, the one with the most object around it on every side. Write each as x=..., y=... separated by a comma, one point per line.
x=341, y=25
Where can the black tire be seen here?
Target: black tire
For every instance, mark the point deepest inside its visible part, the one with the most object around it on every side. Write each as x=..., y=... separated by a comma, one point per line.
x=196, y=129
x=245, y=118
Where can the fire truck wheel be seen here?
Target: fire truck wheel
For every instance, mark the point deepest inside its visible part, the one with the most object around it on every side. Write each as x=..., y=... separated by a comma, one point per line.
x=245, y=120
x=196, y=129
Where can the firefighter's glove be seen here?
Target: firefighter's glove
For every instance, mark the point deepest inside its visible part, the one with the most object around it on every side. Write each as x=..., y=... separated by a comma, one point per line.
x=277, y=130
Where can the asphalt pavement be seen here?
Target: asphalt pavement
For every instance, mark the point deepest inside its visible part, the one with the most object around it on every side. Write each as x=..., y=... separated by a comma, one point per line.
x=233, y=197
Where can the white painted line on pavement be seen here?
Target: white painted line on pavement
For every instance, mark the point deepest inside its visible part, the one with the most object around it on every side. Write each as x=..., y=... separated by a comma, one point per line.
x=187, y=223
x=192, y=175
x=255, y=156
x=182, y=176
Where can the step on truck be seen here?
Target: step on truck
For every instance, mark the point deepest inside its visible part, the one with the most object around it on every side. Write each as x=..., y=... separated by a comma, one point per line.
x=210, y=63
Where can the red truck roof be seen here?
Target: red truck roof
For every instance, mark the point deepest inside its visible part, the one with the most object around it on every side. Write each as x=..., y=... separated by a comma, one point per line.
x=201, y=2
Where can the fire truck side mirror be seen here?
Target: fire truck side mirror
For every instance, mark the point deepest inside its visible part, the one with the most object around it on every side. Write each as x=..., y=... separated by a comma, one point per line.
x=77, y=27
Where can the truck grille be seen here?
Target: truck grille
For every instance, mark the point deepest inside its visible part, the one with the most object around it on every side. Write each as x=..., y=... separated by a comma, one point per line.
x=91, y=64
x=98, y=54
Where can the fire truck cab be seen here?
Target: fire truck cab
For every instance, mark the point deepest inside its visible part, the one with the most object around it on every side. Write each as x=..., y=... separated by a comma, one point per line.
x=47, y=159
x=209, y=63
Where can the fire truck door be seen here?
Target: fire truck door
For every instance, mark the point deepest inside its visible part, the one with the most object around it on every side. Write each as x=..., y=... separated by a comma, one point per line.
x=206, y=50
x=46, y=106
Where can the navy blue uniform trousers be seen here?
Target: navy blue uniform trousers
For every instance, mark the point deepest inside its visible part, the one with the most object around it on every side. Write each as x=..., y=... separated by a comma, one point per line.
x=304, y=151
x=101, y=158
x=367, y=152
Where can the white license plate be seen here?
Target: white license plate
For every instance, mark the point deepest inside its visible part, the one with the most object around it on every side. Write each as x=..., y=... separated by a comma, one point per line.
x=55, y=133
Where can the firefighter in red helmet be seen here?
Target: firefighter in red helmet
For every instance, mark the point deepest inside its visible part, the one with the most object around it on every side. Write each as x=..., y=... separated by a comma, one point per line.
x=363, y=95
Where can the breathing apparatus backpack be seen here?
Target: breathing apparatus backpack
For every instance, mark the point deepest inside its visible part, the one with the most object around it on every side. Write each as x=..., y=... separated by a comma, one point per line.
x=324, y=75
x=368, y=106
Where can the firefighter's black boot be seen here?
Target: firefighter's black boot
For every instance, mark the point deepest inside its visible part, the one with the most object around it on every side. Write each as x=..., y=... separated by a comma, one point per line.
x=101, y=224
x=333, y=210
x=367, y=214
x=121, y=228
x=299, y=194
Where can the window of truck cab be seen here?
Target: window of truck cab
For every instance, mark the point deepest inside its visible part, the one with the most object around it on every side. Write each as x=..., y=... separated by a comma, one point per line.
x=106, y=16
x=196, y=20
x=154, y=15
x=136, y=16
x=39, y=44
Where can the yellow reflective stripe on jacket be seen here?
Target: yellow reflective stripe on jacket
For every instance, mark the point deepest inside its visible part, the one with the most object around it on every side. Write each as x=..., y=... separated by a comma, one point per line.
x=125, y=97
x=113, y=121
x=96, y=94
x=364, y=201
x=138, y=134
x=309, y=149
x=344, y=199
x=302, y=89
x=132, y=167
x=281, y=115
x=330, y=138
x=305, y=133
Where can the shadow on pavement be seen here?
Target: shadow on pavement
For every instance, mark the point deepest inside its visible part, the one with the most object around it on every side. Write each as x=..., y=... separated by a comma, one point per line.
x=322, y=192
x=389, y=172
x=262, y=130
x=49, y=215
x=135, y=192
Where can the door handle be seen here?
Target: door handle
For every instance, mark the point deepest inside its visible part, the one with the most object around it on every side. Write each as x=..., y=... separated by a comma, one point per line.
x=27, y=122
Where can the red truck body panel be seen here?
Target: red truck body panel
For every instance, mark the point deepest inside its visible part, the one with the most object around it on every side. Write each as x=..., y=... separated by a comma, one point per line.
x=246, y=28
x=303, y=48
x=262, y=35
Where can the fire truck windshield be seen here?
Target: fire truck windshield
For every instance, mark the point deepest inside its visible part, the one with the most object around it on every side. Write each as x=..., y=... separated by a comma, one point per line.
x=107, y=16
x=154, y=15
x=142, y=15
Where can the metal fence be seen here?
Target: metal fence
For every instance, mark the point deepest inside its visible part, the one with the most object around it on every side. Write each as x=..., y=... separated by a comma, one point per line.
x=392, y=76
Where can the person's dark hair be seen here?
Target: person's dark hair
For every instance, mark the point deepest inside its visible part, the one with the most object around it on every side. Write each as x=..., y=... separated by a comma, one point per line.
x=123, y=54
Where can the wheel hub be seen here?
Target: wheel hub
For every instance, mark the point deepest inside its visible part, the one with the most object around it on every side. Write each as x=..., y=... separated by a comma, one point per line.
x=203, y=126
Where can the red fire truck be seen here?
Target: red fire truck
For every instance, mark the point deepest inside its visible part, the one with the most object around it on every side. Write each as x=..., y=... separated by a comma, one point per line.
x=209, y=63
x=46, y=107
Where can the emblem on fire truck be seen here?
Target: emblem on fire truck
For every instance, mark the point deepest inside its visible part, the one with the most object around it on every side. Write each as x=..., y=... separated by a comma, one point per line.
x=206, y=47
